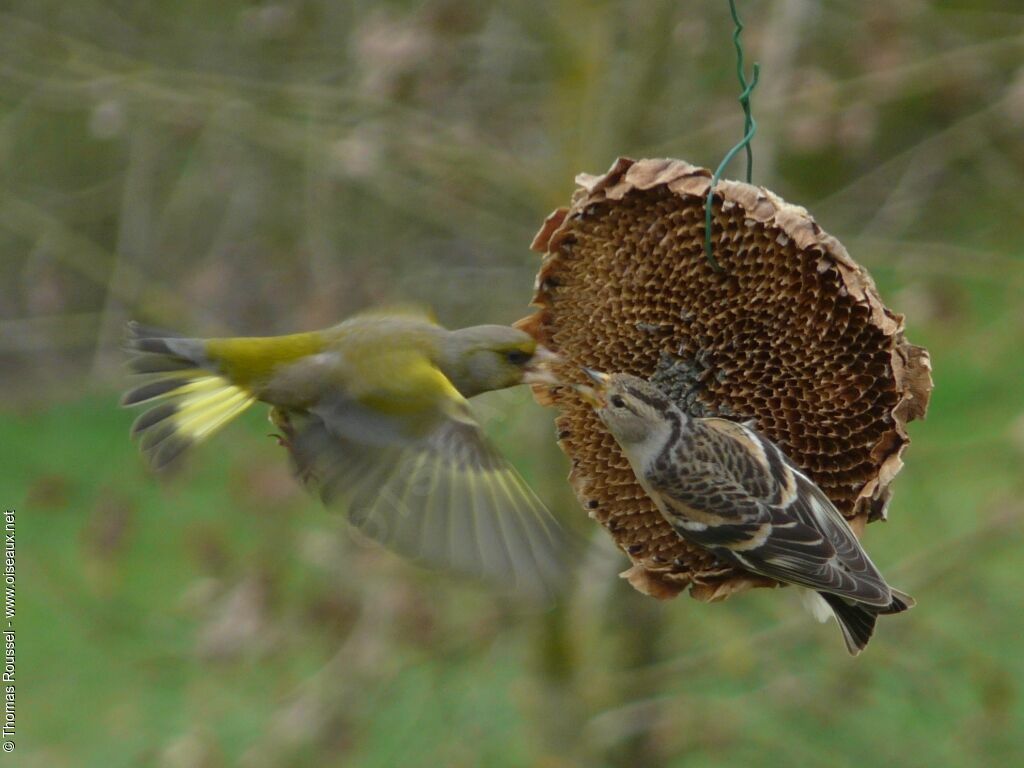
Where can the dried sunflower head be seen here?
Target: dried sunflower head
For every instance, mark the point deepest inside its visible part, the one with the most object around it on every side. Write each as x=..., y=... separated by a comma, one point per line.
x=793, y=335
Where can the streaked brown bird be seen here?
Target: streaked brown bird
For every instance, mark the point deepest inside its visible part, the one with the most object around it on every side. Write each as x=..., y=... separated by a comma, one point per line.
x=723, y=486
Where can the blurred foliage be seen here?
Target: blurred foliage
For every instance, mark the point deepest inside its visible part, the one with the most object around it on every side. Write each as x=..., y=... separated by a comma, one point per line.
x=266, y=167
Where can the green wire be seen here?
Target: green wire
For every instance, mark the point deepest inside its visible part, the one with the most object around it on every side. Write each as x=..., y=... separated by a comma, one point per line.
x=749, y=129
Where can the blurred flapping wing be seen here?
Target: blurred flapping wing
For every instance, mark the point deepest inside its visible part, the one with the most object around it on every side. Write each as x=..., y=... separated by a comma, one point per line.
x=447, y=499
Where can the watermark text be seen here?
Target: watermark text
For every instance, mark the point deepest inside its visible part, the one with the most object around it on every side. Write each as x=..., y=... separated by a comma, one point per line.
x=9, y=677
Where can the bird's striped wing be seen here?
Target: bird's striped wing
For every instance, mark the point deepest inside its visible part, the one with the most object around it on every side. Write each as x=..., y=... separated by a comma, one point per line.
x=448, y=500
x=812, y=545
x=761, y=512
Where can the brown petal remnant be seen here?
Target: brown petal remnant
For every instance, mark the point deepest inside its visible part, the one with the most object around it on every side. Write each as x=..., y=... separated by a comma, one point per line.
x=793, y=335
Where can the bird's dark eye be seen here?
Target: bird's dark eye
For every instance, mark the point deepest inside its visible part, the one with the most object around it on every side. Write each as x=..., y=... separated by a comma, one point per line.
x=518, y=357
x=617, y=401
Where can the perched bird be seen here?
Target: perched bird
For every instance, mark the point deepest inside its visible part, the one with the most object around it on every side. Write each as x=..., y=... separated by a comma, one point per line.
x=723, y=486
x=374, y=414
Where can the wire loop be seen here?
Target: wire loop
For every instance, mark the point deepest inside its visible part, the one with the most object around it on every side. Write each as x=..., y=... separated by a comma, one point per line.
x=749, y=129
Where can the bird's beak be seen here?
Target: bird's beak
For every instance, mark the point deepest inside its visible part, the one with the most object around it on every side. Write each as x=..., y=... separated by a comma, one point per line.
x=537, y=371
x=593, y=396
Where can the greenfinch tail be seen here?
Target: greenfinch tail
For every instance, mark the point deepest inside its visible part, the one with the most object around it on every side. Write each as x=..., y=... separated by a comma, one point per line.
x=188, y=402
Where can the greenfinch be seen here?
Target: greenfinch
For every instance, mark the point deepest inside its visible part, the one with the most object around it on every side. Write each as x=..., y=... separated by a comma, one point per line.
x=723, y=486
x=375, y=416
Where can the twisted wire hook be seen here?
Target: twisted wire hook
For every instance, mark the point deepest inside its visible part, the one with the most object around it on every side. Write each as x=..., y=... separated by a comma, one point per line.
x=749, y=129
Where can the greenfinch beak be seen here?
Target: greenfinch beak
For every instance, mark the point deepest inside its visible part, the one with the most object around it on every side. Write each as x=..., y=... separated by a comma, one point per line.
x=537, y=372
x=593, y=396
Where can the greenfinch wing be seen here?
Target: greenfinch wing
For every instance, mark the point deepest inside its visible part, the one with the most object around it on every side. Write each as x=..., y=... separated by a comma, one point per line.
x=447, y=499
x=406, y=309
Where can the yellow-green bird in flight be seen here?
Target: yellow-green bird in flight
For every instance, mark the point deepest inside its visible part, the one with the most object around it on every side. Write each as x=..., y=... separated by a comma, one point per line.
x=375, y=417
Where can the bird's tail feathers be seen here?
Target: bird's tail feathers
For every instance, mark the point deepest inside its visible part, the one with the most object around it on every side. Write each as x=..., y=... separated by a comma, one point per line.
x=189, y=402
x=855, y=619
x=901, y=602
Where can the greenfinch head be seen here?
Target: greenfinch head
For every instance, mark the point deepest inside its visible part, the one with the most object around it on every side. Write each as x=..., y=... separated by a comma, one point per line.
x=488, y=357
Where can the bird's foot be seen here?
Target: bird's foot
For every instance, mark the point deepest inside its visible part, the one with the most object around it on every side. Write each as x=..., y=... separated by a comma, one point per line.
x=280, y=419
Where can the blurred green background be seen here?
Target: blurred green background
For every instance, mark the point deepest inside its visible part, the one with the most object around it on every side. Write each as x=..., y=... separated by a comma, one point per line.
x=266, y=167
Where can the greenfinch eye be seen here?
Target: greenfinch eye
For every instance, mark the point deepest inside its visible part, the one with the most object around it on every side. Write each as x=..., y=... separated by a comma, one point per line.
x=617, y=401
x=518, y=357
